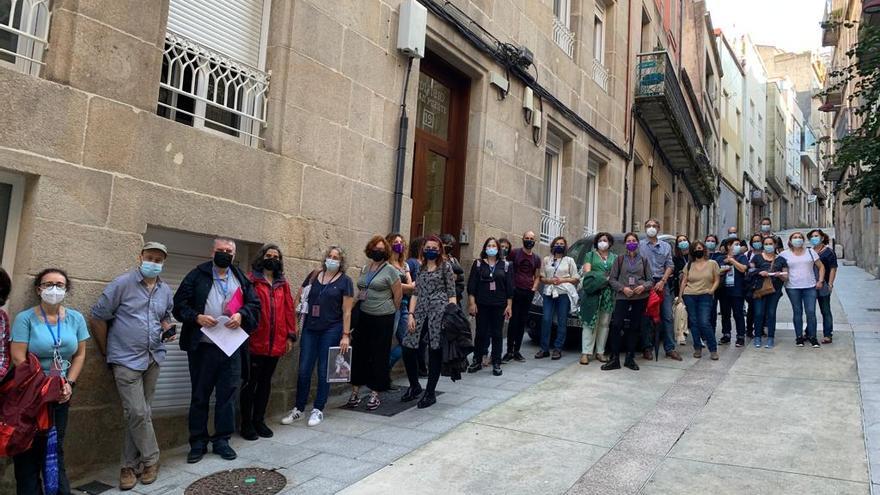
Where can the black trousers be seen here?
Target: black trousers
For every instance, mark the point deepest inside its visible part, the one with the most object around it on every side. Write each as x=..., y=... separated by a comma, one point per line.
x=732, y=307
x=212, y=371
x=411, y=363
x=522, y=301
x=371, y=347
x=29, y=464
x=257, y=388
x=626, y=325
x=750, y=315
x=490, y=325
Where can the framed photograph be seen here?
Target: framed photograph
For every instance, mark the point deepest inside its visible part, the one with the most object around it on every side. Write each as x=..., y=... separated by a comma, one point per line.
x=338, y=365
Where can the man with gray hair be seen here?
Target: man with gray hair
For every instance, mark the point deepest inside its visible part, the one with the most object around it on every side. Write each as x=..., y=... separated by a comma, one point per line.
x=213, y=290
x=659, y=257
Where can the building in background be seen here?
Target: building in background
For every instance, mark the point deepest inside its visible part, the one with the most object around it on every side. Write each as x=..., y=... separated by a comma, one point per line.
x=754, y=100
x=776, y=141
x=733, y=156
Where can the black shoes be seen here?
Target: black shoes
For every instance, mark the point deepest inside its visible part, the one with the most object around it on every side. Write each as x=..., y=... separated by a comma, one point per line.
x=555, y=354
x=263, y=430
x=196, y=454
x=519, y=358
x=225, y=451
x=427, y=400
x=496, y=369
x=247, y=431
x=612, y=364
x=411, y=394
x=631, y=362
x=476, y=366
x=725, y=339
x=507, y=357
x=799, y=342
x=740, y=342
x=815, y=343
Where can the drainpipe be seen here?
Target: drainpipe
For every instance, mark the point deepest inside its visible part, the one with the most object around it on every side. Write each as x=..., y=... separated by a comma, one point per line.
x=401, y=153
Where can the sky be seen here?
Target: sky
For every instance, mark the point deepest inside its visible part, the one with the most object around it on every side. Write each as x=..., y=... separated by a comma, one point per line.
x=792, y=25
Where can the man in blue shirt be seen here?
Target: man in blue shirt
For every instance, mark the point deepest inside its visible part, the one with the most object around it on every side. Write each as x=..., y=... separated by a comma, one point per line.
x=139, y=305
x=659, y=257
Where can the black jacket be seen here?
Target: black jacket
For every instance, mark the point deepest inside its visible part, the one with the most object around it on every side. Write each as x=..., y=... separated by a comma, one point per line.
x=190, y=298
x=482, y=276
x=455, y=342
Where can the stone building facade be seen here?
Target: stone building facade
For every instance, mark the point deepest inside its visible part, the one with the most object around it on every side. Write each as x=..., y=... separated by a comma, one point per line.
x=122, y=123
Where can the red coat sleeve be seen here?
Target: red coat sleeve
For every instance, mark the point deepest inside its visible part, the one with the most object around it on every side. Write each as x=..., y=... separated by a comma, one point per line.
x=289, y=312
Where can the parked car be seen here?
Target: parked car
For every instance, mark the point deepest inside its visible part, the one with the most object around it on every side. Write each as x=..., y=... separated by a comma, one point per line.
x=578, y=251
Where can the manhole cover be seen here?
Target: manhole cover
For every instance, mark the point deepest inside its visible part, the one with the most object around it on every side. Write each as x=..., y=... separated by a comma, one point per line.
x=244, y=481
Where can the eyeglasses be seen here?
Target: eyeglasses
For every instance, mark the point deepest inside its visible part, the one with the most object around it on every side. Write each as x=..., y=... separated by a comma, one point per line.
x=48, y=285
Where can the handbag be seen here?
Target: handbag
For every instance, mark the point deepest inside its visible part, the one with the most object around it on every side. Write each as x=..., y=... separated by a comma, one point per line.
x=767, y=286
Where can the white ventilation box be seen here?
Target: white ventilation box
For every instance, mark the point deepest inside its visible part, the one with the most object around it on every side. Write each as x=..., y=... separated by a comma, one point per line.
x=412, y=28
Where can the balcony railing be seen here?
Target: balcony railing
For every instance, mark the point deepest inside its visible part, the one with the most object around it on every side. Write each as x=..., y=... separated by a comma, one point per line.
x=563, y=36
x=661, y=106
x=552, y=226
x=229, y=96
x=830, y=28
x=24, y=33
x=588, y=231
x=600, y=75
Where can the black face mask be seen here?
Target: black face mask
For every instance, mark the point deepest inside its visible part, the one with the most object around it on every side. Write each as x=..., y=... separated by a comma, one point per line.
x=528, y=244
x=699, y=254
x=504, y=252
x=558, y=249
x=377, y=255
x=272, y=264
x=447, y=250
x=222, y=260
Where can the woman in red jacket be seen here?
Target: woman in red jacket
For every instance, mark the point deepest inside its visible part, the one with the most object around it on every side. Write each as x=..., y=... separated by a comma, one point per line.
x=273, y=338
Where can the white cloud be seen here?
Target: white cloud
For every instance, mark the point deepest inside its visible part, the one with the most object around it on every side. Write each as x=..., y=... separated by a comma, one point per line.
x=792, y=25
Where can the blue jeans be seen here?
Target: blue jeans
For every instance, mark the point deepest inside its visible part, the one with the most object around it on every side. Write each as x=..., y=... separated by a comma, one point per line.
x=400, y=333
x=803, y=300
x=665, y=320
x=314, y=346
x=700, y=310
x=733, y=306
x=765, y=313
x=827, y=317
x=561, y=307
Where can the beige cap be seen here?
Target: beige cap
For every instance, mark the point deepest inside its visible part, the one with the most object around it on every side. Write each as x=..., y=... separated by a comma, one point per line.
x=155, y=245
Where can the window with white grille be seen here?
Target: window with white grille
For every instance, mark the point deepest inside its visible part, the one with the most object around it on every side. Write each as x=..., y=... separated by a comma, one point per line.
x=562, y=34
x=552, y=222
x=213, y=67
x=24, y=31
x=591, y=197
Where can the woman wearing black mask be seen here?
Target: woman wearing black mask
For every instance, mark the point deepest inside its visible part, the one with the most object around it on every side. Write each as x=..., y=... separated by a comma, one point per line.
x=379, y=294
x=560, y=275
x=274, y=337
x=699, y=281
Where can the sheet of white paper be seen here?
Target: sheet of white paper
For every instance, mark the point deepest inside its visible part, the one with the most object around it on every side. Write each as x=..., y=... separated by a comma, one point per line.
x=227, y=339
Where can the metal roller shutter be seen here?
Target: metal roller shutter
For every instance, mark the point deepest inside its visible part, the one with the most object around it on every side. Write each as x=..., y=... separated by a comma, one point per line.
x=232, y=27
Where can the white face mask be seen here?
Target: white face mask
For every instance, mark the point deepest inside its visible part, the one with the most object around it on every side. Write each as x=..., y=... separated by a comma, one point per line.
x=331, y=264
x=603, y=245
x=53, y=295
x=651, y=231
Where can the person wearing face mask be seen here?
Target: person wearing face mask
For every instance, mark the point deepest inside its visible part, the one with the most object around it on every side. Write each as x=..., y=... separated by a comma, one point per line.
x=526, y=277
x=327, y=324
x=138, y=304
x=560, y=275
x=699, y=282
x=504, y=248
x=597, y=298
x=717, y=252
x=820, y=243
x=767, y=227
x=273, y=338
x=490, y=297
x=212, y=291
x=733, y=292
x=681, y=255
x=732, y=232
x=659, y=257
x=756, y=246
x=57, y=336
x=802, y=286
x=379, y=296
x=767, y=264
x=630, y=279
x=448, y=251
x=407, y=284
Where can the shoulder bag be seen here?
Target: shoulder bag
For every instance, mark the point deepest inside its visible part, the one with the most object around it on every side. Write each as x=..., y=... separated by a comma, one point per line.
x=767, y=286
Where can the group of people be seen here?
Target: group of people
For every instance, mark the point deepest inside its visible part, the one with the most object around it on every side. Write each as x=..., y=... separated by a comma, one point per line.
x=403, y=294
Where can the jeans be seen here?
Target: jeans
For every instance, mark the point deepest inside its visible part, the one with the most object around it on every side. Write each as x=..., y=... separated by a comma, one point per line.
x=212, y=371
x=490, y=325
x=257, y=388
x=522, y=301
x=401, y=322
x=700, y=308
x=29, y=464
x=803, y=300
x=733, y=306
x=594, y=338
x=765, y=313
x=750, y=316
x=136, y=389
x=313, y=347
x=560, y=306
x=666, y=320
x=827, y=317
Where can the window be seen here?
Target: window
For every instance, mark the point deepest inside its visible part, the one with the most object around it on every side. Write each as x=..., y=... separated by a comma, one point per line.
x=723, y=153
x=562, y=34
x=645, y=40
x=24, y=31
x=11, y=203
x=552, y=223
x=751, y=158
x=599, y=34
x=591, y=198
x=738, y=165
x=751, y=112
x=212, y=70
x=738, y=121
x=760, y=125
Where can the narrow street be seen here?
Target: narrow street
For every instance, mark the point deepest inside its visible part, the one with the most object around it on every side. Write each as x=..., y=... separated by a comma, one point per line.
x=787, y=420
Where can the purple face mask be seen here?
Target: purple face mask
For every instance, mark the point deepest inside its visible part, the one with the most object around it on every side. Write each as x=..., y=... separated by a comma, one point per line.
x=632, y=246
x=397, y=248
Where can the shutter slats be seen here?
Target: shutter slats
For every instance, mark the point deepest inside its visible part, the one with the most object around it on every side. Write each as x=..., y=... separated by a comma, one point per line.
x=232, y=27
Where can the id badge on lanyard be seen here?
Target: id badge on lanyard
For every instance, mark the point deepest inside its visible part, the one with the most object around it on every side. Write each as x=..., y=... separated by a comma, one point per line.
x=492, y=277
x=59, y=365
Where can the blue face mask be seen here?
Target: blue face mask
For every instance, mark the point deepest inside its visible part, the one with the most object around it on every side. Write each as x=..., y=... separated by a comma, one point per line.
x=756, y=245
x=769, y=248
x=150, y=269
x=815, y=241
x=710, y=245
x=684, y=245
x=797, y=243
x=431, y=254
x=765, y=227
x=735, y=249
x=491, y=251
x=331, y=265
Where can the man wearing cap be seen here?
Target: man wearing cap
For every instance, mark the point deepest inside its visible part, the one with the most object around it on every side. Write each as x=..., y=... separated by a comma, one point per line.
x=138, y=305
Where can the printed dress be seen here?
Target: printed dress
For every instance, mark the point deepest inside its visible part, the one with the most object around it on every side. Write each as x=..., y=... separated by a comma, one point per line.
x=433, y=290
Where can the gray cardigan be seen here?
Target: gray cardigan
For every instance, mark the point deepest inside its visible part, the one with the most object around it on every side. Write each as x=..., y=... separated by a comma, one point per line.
x=623, y=269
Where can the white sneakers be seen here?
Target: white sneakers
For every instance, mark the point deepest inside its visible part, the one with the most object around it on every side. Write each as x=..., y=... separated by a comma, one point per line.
x=295, y=415
x=316, y=417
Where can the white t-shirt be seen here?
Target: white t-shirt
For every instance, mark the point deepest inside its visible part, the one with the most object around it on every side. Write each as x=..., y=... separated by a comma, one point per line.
x=800, y=269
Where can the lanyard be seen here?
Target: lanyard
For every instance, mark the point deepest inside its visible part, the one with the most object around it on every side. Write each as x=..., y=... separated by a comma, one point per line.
x=557, y=264
x=492, y=269
x=222, y=283
x=334, y=278
x=56, y=339
x=370, y=278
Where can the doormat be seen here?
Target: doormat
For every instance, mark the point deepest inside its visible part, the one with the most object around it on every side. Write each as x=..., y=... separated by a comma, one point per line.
x=391, y=404
x=244, y=481
x=94, y=488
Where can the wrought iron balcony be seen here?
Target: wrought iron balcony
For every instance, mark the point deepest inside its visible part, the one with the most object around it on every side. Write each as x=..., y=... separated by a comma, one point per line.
x=563, y=36
x=661, y=106
x=830, y=26
x=552, y=226
x=600, y=75
x=24, y=32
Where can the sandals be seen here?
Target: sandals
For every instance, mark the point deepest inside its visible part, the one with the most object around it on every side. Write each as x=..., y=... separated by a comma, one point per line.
x=353, y=401
x=373, y=403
